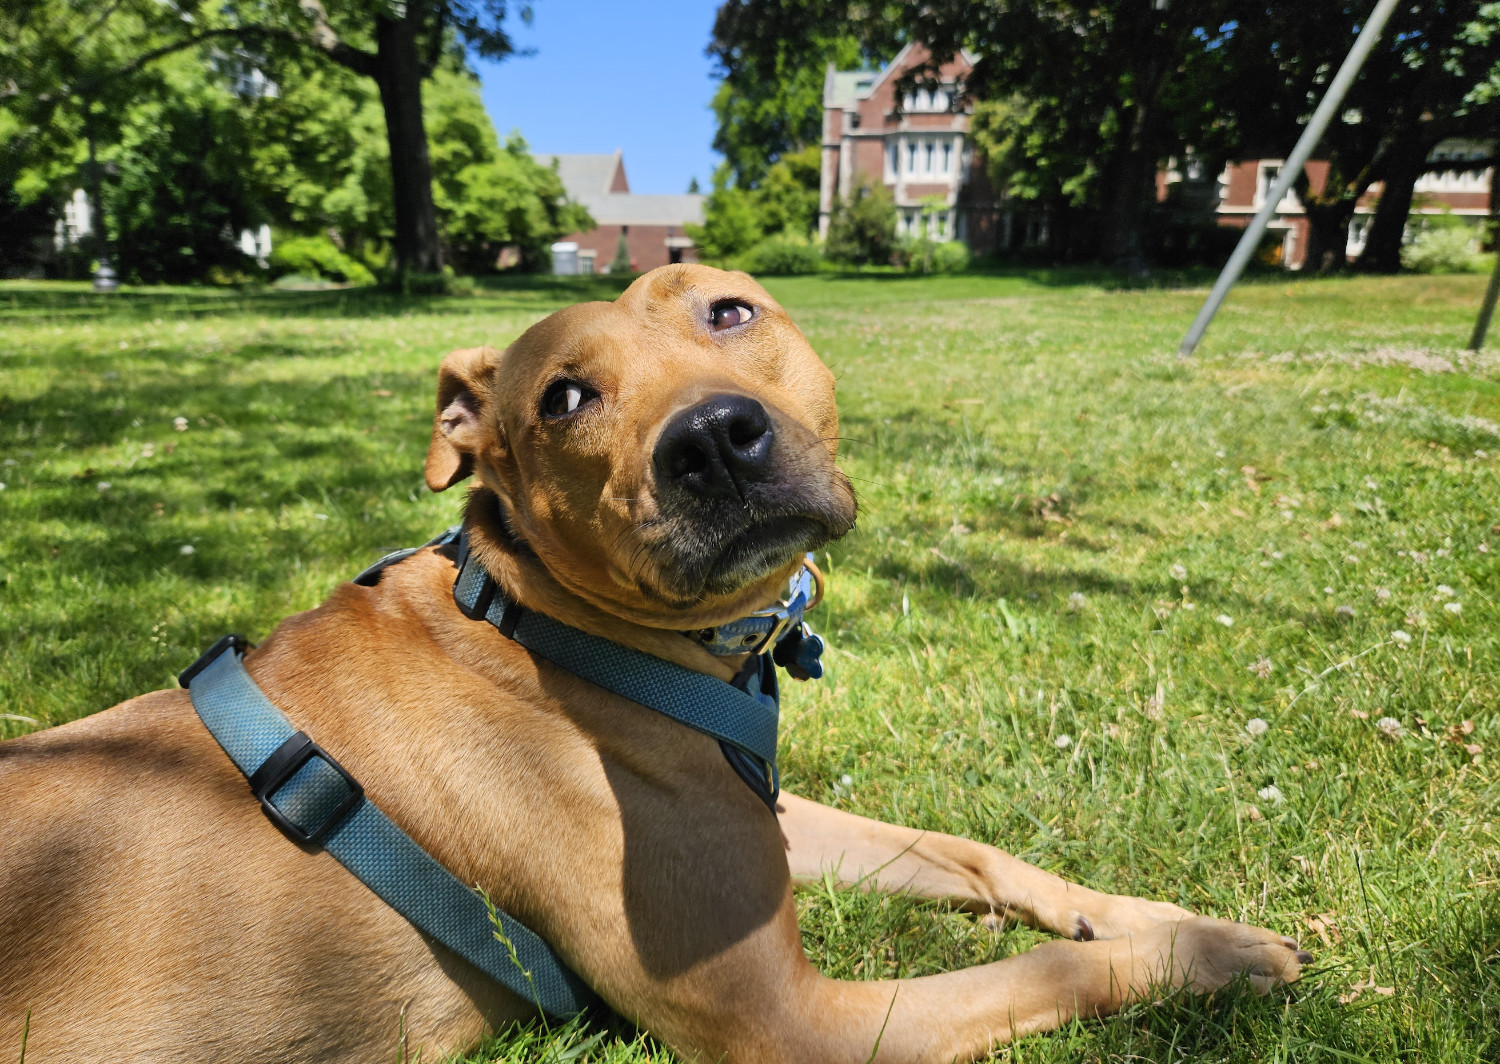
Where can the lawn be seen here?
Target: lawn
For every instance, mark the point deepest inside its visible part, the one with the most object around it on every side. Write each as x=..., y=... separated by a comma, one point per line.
x=1222, y=632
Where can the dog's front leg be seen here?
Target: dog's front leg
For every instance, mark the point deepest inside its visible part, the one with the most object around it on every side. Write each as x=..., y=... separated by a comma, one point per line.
x=867, y=854
x=769, y=1005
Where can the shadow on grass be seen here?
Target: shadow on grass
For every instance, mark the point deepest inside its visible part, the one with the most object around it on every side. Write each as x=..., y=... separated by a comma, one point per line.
x=79, y=302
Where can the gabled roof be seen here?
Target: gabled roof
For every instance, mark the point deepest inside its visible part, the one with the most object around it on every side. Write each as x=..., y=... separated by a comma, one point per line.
x=845, y=88
x=589, y=175
x=629, y=208
x=597, y=182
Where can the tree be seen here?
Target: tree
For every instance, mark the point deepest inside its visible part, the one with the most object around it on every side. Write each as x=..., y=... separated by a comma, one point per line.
x=770, y=102
x=1109, y=86
x=396, y=45
x=1410, y=94
x=862, y=230
x=488, y=195
x=1457, y=66
x=730, y=223
x=622, y=263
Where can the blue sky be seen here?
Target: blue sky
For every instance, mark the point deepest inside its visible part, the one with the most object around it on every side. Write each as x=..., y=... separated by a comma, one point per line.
x=629, y=74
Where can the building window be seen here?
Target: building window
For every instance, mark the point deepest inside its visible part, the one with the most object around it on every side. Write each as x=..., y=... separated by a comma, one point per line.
x=947, y=156
x=1269, y=172
x=895, y=159
x=911, y=157
x=929, y=150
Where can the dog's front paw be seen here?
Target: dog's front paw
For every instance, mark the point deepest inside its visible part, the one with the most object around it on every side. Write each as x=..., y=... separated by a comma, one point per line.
x=1204, y=954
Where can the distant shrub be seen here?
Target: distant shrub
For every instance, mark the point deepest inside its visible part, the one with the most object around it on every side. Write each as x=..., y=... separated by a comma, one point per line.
x=951, y=257
x=783, y=254
x=918, y=254
x=862, y=230
x=316, y=256
x=1446, y=249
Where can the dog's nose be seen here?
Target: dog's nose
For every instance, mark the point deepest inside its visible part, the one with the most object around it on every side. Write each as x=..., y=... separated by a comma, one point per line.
x=717, y=448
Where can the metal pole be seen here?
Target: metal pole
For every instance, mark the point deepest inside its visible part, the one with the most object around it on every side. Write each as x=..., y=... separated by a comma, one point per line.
x=1293, y=166
x=1487, y=308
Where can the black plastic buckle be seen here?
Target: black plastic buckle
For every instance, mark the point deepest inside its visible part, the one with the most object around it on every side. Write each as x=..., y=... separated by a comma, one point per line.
x=238, y=643
x=281, y=766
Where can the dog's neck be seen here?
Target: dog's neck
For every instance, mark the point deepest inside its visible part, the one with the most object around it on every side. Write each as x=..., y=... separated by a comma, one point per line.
x=523, y=579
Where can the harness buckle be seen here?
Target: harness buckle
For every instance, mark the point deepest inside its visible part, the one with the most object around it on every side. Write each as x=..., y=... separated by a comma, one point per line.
x=281, y=766
x=238, y=643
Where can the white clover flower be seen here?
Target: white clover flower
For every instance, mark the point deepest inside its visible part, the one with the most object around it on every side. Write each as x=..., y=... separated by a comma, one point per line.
x=1261, y=668
x=1271, y=794
x=1062, y=742
x=1383, y=594
x=180, y=423
x=1442, y=591
x=1453, y=607
x=1328, y=591
x=1403, y=638
x=1077, y=601
x=1226, y=620
x=846, y=780
x=104, y=485
x=1344, y=611
x=1390, y=727
x=1256, y=727
x=187, y=548
x=1178, y=572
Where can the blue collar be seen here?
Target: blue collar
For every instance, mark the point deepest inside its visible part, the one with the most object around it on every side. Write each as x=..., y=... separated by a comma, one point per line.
x=742, y=714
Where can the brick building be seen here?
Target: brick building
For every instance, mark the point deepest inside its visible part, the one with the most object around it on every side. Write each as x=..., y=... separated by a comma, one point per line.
x=653, y=225
x=917, y=146
x=1458, y=184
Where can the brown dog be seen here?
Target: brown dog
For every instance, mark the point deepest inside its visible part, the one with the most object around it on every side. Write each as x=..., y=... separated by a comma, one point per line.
x=643, y=467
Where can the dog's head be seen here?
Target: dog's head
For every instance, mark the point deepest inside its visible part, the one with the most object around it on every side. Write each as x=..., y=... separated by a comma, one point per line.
x=668, y=457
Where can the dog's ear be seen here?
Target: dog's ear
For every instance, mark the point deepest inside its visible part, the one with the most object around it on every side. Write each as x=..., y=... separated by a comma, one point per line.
x=457, y=431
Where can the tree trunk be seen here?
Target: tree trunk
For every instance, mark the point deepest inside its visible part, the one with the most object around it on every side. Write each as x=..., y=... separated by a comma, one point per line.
x=398, y=72
x=1382, y=253
x=1328, y=236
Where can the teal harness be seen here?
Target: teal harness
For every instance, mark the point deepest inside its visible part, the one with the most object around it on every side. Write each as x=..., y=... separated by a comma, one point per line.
x=315, y=801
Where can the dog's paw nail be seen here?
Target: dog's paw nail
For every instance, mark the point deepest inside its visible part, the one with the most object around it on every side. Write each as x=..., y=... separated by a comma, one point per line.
x=1085, y=932
x=1304, y=957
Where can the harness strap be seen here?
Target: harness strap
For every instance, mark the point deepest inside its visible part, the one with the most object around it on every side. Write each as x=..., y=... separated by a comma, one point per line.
x=743, y=715
x=311, y=796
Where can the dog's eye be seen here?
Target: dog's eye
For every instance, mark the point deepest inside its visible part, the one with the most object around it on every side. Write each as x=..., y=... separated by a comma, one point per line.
x=564, y=397
x=728, y=313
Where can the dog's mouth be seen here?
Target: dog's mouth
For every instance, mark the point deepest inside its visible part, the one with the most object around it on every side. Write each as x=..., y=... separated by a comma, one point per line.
x=761, y=549
x=695, y=558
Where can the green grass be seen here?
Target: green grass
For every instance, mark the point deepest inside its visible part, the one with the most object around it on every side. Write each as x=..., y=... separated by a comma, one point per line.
x=1032, y=462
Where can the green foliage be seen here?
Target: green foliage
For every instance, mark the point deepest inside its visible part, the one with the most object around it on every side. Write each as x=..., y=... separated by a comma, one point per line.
x=1444, y=249
x=784, y=255
x=621, y=263
x=862, y=230
x=786, y=200
x=951, y=256
x=178, y=195
x=731, y=223
x=920, y=254
x=321, y=160
x=316, y=256
x=769, y=110
x=737, y=217
x=489, y=195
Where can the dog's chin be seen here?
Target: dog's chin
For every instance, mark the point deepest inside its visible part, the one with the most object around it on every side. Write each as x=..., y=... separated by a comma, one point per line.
x=693, y=566
x=760, y=550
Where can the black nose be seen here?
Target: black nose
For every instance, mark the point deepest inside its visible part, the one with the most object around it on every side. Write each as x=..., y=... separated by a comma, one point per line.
x=717, y=448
